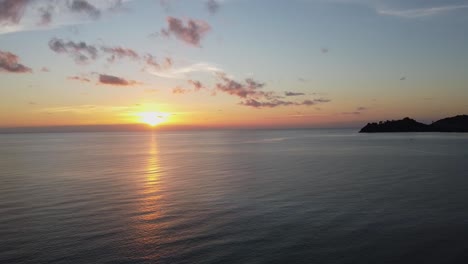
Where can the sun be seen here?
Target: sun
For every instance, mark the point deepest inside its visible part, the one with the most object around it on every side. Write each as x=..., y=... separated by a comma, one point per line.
x=153, y=118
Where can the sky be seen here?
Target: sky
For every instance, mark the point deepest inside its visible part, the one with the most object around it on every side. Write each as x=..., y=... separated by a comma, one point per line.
x=231, y=63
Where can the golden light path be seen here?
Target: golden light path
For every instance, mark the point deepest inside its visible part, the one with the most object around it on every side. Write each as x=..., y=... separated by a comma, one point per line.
x=153, y=118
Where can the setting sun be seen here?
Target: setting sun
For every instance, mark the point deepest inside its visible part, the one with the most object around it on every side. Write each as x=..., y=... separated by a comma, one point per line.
x=153, y=118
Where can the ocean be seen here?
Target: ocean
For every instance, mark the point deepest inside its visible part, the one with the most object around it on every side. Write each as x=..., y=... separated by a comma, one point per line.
x=234, y=196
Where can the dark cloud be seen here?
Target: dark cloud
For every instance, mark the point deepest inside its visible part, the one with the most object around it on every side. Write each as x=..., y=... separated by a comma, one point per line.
x=167, y=62
x=179, y=90
x=45, y=69
x=322, y=100
x=324, y=50
x=212, y=6
x=114, y=80
x=11, y=11
x=197, y=85
x=78, y=78
x=191, y=33
x=403, y=78
x=293, y=94
x=9, y=62
x=80, y=51
x=151, y=61
x=46, y=14
x=361, y=108
x=301, y=79
x=275, y=103
x=83, y=6
x=251, y=94
x=249, y=88
x=119, y=52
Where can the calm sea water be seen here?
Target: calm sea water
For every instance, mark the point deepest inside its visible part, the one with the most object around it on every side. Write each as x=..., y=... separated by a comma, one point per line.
x=286, y=196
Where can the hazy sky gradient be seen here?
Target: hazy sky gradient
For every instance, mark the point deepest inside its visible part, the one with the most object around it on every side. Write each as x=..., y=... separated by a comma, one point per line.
x=232, y=63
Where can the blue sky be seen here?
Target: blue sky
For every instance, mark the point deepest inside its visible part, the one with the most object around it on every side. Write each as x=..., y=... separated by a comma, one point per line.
x=347, y=62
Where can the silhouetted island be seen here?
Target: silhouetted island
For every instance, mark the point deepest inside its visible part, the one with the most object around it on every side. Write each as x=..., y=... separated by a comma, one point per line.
x=451, y=124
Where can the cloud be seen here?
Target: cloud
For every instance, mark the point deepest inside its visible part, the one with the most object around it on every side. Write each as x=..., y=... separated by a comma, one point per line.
x=11, y=11
x=46, y=14
x=251, y=94
x=358, y=111
x=80, y=51
x=403, y=78
x=179, y=90
x=165, y=71
x=250, y=88
x=293, y=94
x=361, y=108
x=212, y=6
x=322, y=100
x=191, y=33
x=197, y=85
x=78, y=78
x=154, y=65
x=114, y=80
x=324, y=50
x=275, y=103
x=421, y=12
x=45, y=69
x=83, y=6
x=119, y=52
x=351, y=113
x=9, y=62
x=26, y=15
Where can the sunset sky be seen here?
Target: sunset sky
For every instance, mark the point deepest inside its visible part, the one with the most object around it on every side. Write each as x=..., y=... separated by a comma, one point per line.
x=231, y=63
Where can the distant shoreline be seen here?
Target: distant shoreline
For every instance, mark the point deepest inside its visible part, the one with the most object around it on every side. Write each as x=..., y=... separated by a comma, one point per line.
x=456, y=124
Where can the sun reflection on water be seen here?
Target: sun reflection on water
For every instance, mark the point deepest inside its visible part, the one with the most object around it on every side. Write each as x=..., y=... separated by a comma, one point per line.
x=148, y=228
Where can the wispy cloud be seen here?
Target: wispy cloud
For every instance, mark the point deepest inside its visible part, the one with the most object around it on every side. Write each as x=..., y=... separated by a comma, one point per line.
x=119, y=52
x=190, y=32
x=251, y=94
x=359, y=110
x=277, y=102
x=153, y=64
x=87, y=109
x=420, y=12
x=79, y=78
x=80, y=51
x=183, y=72
x=293, y=94
x=212, y=6
x=9, y=62
x=26, y=15
x=197, y=85
x=179, y=90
